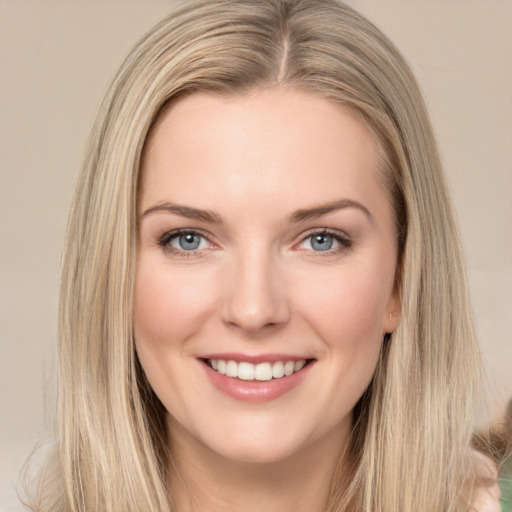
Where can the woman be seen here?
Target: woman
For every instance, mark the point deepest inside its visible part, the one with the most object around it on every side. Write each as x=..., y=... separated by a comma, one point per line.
x=263, y=301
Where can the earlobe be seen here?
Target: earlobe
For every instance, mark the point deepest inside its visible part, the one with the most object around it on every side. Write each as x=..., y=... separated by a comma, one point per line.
x=393, y=313
x=391, y=322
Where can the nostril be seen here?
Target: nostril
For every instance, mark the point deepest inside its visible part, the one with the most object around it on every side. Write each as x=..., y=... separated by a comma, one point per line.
x=253, y=301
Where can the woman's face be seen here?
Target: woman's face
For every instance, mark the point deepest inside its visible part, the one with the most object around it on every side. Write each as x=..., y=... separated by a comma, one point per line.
x=268, y=251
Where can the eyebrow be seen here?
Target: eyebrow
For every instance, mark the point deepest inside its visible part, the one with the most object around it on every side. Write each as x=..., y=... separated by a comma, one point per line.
x=323, y=209
x=185, y=211
x=296, y=216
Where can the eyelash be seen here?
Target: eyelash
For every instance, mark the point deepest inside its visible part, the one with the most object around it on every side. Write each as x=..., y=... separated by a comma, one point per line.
x=344, y=241
x=165, y=242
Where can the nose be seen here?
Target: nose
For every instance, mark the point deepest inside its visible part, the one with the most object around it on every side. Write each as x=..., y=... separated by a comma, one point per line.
x=255, y=295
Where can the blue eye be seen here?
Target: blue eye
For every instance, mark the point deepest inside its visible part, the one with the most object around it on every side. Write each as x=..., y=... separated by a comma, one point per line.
x=187, y=242
x=183, y=242
x=326, y=242
x=321, y=242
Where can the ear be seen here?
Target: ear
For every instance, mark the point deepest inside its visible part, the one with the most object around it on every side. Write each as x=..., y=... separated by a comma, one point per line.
x=393, y=311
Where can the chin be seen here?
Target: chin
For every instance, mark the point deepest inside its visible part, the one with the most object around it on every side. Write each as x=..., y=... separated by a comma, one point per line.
x=256, y=453
x=243, y=439
x=260, y=443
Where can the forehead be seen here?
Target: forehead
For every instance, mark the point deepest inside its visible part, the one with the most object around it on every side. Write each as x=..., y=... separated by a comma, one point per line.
x=259, y=146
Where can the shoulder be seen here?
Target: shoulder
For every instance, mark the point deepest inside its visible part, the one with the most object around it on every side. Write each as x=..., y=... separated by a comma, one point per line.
x=486, y=493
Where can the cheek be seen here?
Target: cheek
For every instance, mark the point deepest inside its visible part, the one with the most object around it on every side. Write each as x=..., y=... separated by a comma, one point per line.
x=347, y=313
x=348, y=307
x=168, y=306
x=168, y=310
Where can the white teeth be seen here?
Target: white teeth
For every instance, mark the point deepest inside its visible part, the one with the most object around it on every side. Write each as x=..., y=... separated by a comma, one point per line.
x=245, y=371
x=289, y=366
x=278, y=370
x=232, y=369
x=261, y=371
x=299, y=365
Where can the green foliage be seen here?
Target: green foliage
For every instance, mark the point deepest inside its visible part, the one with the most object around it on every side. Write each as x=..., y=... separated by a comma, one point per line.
x=506, y=486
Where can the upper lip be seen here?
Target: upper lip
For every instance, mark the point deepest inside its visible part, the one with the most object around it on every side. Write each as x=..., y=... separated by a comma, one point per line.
x=254, y=359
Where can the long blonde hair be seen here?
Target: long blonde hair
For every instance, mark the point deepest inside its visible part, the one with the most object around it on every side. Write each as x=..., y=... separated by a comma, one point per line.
x=410, y=445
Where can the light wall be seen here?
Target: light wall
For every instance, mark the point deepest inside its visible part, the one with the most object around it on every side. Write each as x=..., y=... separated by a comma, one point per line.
x=56, y=60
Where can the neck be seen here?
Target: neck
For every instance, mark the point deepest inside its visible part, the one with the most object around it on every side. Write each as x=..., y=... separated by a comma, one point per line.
x=204, y=481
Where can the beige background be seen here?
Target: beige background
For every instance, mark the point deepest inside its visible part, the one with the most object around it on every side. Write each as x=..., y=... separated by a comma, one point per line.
x=56, y=60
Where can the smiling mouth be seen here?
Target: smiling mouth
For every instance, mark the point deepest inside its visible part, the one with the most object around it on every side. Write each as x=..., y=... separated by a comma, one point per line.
x=265, y=371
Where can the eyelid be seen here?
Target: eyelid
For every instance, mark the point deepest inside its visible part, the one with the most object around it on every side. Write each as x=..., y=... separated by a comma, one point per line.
x=168, y=235
x=343, y=239
x=327, y=231
x=165, y=239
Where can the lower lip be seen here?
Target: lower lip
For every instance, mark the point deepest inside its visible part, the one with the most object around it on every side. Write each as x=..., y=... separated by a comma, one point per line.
x=255, y=391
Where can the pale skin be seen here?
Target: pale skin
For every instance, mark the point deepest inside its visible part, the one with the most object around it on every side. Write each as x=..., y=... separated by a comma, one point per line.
x=296, y=254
